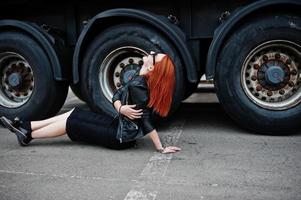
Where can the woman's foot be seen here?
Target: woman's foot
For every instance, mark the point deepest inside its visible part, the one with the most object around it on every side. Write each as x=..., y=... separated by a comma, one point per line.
x=23, y=135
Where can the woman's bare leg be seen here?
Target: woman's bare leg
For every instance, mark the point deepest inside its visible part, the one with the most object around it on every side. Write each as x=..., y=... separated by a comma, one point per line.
x=35, y=125
x=54, y=129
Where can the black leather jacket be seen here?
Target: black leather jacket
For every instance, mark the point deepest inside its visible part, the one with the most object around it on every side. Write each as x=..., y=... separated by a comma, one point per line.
x=139, y=95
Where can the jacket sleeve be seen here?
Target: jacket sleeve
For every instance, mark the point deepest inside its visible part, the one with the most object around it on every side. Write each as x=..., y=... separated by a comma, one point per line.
x=139, y=95
x=117, y=95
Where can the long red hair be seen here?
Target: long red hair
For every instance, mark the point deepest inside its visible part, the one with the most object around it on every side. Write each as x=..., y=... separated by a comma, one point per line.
x=161, y=83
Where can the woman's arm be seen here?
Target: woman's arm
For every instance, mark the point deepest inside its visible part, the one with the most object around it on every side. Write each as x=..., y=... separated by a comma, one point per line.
x=158, y=145
x=127, y=110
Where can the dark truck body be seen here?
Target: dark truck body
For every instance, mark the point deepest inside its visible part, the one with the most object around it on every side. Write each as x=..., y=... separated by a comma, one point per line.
x=198, y=31
x=197, y=19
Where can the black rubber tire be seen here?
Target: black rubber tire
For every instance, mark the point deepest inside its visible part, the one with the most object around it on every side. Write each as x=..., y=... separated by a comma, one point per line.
x=76, y=90
x=190, y=89
x=227, y=77
x=129, y=34
x=48, y=95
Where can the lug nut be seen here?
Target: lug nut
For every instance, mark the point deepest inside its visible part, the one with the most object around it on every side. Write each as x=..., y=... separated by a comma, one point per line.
x=117, y=74
x=294, y=72
x=265, y=58
x=277, y=56
x=258, y=87
x=269, y=93
x=256, y=66
x=140, y=63
x=254, y=78
x=281, y=92
x=131, y=61
x=291, y=84
x=288, y=61
x=121, y=65
x=118, y=84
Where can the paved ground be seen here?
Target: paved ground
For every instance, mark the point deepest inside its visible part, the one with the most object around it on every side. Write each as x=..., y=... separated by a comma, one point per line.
x=218, y=161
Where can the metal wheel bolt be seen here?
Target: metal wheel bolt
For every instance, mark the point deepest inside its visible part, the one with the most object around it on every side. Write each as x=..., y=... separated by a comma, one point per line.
x=288, y=61
x=291, y=84
x=140, y=62
x=294, y=72
x=265, y=58
x=117, y=74
x=254, y=78
x=131, y=61
x=269, y=93
x=281, y=92
x=277, y=56
x=121, y=65
x=118, y=84
x=256, y=66
x=259, y=88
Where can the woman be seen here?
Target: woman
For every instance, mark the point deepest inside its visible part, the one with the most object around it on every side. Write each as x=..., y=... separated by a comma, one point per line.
x=151, y=89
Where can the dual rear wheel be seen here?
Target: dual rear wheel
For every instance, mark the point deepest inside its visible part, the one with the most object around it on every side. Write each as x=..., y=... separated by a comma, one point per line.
x=28, y=89
x=258, y=77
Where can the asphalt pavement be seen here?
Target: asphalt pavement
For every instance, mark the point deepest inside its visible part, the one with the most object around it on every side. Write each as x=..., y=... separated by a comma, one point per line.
x=218, y=161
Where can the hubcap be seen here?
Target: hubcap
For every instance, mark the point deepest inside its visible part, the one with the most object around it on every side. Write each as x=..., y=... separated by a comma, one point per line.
x=271, y=75
x=118, y=68
x=16, y=80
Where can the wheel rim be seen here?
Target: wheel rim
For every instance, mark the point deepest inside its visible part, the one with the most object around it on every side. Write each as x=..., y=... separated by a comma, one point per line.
x=271, y=75
x=118, y=67
x=17, y=81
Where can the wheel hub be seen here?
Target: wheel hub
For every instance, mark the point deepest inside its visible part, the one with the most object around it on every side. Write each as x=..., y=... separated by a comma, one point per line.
x=118, y=68
x=128, y=72
x=271, y=75
x=15, y=80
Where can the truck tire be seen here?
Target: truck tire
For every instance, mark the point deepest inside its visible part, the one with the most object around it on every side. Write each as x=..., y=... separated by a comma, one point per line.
x=258, y=75
x=76, y=90
x=114, y=56
x=28, y=89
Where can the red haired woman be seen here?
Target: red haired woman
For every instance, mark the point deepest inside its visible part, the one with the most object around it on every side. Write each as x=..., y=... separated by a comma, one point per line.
x=151, y=89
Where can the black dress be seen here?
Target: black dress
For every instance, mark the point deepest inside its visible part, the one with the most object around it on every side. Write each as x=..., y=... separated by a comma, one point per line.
x=100, y=128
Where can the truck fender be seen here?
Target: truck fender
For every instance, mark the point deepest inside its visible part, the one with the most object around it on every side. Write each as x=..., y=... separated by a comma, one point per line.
x=107, y=18
x=44, y=39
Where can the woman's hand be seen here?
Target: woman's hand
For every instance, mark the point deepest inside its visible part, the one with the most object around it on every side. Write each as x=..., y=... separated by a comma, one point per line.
x=131, y=113
x=171, y=149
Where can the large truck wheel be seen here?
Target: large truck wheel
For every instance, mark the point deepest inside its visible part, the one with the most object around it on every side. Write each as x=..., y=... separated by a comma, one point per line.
x=28, y=89
x=259, y=73
x=114, y=56
x=76, y=90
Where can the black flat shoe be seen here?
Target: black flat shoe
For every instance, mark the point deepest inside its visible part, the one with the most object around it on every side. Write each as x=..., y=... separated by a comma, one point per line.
x=23, y=135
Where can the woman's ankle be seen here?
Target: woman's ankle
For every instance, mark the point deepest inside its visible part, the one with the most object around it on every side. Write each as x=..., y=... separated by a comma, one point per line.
x=26, y=125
